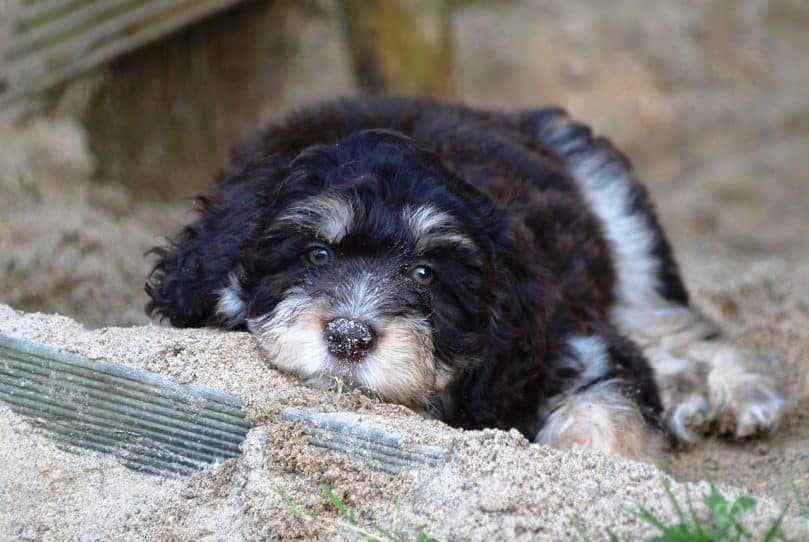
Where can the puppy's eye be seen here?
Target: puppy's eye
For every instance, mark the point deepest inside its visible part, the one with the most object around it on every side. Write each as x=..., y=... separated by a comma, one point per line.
x=318, y=255
x=423, y=275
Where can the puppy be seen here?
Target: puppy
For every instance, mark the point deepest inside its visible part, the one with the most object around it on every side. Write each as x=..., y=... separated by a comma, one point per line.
x=497, y=269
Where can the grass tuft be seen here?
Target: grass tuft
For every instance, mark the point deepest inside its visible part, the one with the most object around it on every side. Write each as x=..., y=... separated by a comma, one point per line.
x=723, y=524
x=348, y=524
x=724, y=521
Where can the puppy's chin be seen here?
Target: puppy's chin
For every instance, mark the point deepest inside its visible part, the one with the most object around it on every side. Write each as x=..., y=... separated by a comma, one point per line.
x=401, y=367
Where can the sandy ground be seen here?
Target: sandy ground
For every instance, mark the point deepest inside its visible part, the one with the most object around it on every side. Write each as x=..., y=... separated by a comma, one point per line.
x=708, y=98
x=493, y=484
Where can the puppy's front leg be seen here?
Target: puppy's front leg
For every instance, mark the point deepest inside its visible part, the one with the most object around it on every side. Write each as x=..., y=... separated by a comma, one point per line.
x=611, y=403
x=601, y=418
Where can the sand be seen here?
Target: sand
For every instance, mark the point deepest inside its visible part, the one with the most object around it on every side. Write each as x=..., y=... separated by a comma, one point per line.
x=493, y=484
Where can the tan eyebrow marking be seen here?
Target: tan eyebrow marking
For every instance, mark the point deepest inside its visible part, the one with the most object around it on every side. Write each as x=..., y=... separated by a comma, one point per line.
x=330, y=216
x=432, y=227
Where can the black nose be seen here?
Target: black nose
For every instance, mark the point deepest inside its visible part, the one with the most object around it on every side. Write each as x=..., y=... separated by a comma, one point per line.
x=349, y=339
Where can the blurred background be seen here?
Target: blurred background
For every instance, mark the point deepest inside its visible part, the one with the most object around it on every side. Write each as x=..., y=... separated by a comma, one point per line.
x=115, y=111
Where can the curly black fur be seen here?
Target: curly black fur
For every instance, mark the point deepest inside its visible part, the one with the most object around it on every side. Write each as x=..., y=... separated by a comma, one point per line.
x=540, y=271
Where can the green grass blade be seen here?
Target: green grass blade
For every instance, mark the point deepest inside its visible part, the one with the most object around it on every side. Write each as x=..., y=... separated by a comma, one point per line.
x=742, y=505
x=802, y=508
x=397, y=508
x=717, y=504
x=775, y=530
x=335, y=501
x=387, y=533
x=699, y=530
x=647, y=516
x=290, y=504
x=421, y=536
x=579, y=528
x=677, y=508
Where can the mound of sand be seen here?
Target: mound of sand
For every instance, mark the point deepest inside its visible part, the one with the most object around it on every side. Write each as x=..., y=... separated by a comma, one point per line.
x=493, y=485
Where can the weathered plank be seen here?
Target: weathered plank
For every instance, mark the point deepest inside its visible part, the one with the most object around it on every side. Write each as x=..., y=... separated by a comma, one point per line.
x=54, y=40
x=149, y=422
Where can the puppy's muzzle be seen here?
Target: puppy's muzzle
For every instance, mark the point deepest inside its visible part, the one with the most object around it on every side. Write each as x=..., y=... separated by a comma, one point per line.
x=348, y=339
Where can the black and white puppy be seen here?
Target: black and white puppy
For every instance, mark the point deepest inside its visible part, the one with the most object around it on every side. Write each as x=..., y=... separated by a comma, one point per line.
x=496, y=269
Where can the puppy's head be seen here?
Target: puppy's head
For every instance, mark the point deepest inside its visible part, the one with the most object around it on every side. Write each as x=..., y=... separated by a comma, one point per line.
x=369, y=261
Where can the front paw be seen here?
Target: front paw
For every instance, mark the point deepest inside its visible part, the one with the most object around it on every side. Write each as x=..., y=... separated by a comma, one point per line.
x=748, y=399
x=750, y=404
x=688, y=418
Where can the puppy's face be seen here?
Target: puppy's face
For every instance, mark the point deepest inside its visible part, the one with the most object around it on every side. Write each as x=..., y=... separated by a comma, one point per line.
x=372, y=268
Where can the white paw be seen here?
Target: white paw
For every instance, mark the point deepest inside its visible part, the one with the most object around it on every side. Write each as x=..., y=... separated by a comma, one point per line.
x=757, y=404
x=712, y=384
x=689, y=418
x=681, y=382
x=747, y=400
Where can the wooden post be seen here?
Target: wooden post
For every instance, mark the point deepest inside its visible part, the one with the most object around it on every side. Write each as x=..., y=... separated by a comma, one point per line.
x=400, y=46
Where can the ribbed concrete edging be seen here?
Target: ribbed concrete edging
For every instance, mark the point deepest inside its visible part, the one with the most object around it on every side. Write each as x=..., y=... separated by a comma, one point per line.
x=347, y=433
x=149, y=422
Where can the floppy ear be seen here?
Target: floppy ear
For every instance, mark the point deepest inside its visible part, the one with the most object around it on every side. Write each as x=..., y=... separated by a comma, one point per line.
x=195, y=280
x=502, y=389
